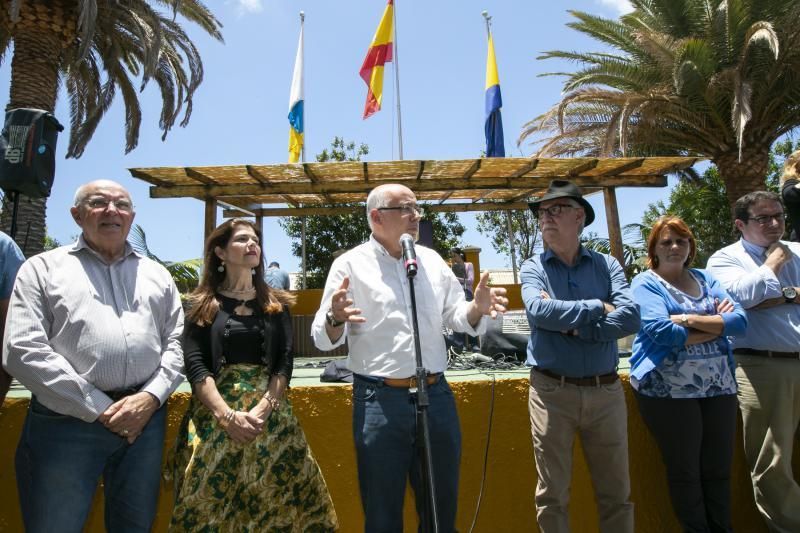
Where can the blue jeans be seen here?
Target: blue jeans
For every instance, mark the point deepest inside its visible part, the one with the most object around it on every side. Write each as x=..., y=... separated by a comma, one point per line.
x=60, y=459
x=384, y=431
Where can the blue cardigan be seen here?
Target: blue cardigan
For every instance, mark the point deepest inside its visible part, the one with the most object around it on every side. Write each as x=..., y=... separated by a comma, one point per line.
x=658, y=335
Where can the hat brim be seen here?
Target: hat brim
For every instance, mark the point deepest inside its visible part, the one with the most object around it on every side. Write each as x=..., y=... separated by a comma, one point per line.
x=587, y=207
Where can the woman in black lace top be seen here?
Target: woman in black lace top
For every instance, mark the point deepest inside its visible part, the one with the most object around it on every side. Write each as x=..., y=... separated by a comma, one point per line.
x=242, y=462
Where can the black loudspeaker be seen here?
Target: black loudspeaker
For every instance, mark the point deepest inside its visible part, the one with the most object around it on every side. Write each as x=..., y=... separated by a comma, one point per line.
x=425, y=233
x=507, y=335
x=28, y=145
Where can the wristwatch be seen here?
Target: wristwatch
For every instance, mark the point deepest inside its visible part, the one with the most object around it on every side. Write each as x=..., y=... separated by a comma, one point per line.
x=789, y=294
x=684, y=320
x=331, y=320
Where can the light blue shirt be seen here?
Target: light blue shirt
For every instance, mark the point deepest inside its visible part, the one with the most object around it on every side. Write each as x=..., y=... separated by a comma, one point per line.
x=740, y=269
x=277, y=278
x=11, y=259
x=576, y=295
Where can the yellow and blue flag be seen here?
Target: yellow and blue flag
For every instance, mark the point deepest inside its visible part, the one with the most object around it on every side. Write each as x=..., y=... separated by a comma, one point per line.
x=296, y=106
x=493, y=128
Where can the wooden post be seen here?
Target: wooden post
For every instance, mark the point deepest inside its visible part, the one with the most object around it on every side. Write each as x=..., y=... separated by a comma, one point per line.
x=211, y=219
x=260, y=226
x=612, y=218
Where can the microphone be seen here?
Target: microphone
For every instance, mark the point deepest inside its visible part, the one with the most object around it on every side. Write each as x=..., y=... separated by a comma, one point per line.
x=409, y=256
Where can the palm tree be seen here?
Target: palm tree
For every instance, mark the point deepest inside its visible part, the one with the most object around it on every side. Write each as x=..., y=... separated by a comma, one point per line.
x=98, y=48
x=186, y=274
x=712, y=78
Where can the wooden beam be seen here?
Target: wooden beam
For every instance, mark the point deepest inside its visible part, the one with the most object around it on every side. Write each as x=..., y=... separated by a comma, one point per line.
x=427, y=185
x=144, y=176
x=621, y=169
x=474, y=167
x=445, y=196
x=256, y=175
x=420, y=170
x=325, y=211
x=199, y=176
x=577, y=170
x=210, y=219
x=366, y=172
x=525, y=168
x=612, y=219
x=245, y=210
x=310, y=173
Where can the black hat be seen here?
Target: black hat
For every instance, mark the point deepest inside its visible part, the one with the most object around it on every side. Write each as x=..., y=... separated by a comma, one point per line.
x=564, y=189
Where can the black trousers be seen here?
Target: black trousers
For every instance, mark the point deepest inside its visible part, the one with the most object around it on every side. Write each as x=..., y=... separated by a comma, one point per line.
x=696, y=438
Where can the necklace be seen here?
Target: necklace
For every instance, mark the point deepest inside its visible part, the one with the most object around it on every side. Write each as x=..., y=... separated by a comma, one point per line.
x=246, y=291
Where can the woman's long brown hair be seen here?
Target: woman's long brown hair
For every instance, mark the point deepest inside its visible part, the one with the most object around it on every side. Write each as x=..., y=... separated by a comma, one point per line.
x=204, y=304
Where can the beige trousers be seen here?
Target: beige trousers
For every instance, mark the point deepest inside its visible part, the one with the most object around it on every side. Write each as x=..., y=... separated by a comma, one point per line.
x=769, y=398
x=598, y=413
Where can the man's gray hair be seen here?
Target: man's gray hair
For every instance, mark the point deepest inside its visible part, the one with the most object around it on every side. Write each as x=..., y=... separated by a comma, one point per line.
x=81, y=191
x=375, y=199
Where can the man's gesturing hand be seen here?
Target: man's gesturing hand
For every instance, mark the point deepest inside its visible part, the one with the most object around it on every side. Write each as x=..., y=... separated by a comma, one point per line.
x=489, y=301
x=342, y=306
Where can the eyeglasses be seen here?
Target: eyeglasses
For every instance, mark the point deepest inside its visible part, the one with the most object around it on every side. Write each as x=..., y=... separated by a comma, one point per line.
x=553, y=210
x=99, y=202
x=763, y=220
x=408, y=210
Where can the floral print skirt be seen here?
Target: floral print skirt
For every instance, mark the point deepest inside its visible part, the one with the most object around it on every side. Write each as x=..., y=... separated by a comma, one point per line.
x=270, y=484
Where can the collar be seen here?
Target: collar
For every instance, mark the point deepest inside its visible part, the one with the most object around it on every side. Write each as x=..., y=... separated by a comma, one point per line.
x=81, y=244
x=753, y=249
x=378, y=247
x=582, y=252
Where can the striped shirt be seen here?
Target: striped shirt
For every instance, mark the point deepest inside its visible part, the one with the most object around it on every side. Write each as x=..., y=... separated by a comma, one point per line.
x=78, y=326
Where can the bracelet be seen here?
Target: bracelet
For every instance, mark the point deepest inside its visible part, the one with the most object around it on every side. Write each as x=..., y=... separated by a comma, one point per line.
x=273, y=402
x=226, y=419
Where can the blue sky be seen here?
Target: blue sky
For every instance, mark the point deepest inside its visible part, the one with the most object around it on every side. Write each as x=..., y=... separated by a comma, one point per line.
x=240, y=109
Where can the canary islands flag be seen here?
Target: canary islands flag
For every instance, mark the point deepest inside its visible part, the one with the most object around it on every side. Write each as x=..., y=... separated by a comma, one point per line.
x=380, y=52
x=495, y=146
x=296, y=106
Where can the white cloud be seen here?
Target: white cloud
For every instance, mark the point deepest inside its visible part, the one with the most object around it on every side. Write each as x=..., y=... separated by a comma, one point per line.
x=621, y=6
x=249, y=6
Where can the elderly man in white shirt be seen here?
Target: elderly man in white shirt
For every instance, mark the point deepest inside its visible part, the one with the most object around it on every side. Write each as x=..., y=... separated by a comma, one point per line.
x=94, y=335
x=366, y=301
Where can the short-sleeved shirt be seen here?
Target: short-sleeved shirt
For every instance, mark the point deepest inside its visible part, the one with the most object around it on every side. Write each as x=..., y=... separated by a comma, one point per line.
x=11, y=259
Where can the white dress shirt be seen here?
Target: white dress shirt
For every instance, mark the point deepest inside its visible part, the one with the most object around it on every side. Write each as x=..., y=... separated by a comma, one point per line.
x=741, y=270
x=78, y=326
x=384, y=345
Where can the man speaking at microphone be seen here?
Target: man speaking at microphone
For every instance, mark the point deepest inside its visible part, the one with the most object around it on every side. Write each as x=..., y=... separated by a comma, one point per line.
x=367, y=302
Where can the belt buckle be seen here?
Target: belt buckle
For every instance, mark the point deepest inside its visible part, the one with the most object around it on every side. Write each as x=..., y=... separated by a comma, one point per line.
x=412, y=384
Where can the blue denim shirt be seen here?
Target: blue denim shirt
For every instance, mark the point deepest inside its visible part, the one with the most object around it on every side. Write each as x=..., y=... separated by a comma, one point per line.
x=576, y=296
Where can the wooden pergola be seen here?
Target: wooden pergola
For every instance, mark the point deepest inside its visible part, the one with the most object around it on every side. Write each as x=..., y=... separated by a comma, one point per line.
x=461, y=185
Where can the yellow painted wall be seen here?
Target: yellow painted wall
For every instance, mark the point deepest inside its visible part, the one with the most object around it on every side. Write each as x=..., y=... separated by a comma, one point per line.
x=325, y=414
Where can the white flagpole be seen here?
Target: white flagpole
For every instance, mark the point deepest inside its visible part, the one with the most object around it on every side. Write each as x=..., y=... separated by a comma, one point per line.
x=396, y=60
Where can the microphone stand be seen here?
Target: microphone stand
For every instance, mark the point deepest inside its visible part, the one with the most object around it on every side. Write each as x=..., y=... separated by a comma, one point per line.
x=429, y=519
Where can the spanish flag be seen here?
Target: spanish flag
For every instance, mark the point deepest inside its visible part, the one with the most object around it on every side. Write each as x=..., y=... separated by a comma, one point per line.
x=495, y=146
x=296, y=106
x=380, y=52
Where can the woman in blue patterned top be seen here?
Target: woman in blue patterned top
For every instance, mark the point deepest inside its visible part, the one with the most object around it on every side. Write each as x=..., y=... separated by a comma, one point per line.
x=682, y=373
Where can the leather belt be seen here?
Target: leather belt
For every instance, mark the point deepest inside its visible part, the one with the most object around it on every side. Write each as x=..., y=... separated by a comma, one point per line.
x=767, y=353
x=404, y=383
x=589, y=381
x=117, y=395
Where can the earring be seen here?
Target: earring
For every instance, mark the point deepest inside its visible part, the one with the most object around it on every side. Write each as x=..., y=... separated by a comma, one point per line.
x=221, y=267
x=252, y=271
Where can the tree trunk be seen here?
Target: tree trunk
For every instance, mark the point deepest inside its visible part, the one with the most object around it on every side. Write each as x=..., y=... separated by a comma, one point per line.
x=748, y=176
x=34, y=83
